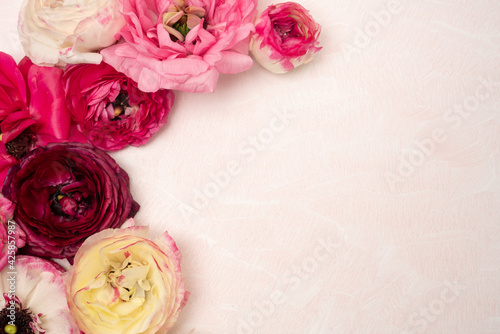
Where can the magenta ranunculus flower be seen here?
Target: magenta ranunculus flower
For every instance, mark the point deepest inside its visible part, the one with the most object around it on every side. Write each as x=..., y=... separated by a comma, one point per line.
x=124, y=283
x=109, y=108
x=183, y=45
x=286, y=36
x=65, y=192
x=32, y=109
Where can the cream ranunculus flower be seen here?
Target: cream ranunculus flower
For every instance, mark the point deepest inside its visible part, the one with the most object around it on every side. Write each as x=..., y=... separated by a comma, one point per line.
x=122, y=282
x=60, y=32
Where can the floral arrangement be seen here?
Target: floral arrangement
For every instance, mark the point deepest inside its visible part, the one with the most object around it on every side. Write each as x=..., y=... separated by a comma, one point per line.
x=100, y=75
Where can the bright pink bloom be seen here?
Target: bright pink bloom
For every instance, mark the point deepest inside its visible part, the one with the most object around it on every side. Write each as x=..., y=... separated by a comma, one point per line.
x=109, y=108
x=32, y=109
x=285, y=37
x=184, y=45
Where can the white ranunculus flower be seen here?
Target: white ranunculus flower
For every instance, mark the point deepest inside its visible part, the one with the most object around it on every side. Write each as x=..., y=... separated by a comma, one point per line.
x=33, y=298
x=60, y=32
x=123, y=283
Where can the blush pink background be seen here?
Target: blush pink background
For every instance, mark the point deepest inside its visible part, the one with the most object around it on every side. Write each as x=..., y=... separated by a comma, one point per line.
x=370, y=206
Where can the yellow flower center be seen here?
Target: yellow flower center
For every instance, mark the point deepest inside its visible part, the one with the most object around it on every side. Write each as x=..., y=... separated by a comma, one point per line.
x=130, y=279
x=10, y=329
x=180, y=19
x=122, y=287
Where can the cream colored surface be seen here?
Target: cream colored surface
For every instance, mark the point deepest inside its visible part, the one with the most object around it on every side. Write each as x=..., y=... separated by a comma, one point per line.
x=356, y=194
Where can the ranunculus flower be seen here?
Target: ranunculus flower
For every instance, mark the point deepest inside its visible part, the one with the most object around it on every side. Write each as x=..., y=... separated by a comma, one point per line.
x=123, y=283
x=184, y=45
x=35, y=299
x=32, y=109
x=285, y=37
x=65, y=192
x=109, y=108
x=60, y=32
x=11, y=237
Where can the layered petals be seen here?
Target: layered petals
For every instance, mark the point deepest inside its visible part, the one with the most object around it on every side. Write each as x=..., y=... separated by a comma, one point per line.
x=32, y=109
x=109, y=108
x=61, y=32
x=286, y=36
x=183, y=45
x=64, y=193
x=39, y=300
x=124, y=283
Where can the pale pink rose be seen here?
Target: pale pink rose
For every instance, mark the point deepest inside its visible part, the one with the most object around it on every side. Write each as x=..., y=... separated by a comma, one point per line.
x=124, y=283
x=60, y=32
x=183, y=45
x=286, y=36
x=39, y=300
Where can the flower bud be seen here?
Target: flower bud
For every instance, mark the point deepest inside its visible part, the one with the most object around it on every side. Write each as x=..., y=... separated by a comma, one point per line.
x=286, y=36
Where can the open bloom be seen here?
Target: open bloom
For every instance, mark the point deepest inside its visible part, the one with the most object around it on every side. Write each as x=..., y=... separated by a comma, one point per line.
x=60, y=32
x=109, y=108
x=34, y=300
x=183, y=44
x=65, y=192
x=123, y=283
x=286, y=36
x=32, y=109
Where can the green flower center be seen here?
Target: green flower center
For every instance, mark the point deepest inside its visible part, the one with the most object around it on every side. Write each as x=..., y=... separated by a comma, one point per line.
x=10, y=329
x=180, y=19
x=14, y=319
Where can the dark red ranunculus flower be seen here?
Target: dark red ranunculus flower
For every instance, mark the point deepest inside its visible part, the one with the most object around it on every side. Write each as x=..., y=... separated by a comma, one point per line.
x=64, y=193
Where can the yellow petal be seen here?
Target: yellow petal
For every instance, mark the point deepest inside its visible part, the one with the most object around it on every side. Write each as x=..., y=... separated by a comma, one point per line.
x=106, y=295
x=131, y=275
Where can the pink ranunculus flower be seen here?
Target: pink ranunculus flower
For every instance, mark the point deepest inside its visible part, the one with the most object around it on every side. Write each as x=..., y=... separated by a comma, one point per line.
x=11, y=237
x=286, y=36
x=109, y=108
x=183, y=45
x=34, y=298
x=32, y=109
x=60, y=32
x=124, y=283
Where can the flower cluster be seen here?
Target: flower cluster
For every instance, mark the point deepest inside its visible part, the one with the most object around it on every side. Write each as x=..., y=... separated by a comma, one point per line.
x=99, y=76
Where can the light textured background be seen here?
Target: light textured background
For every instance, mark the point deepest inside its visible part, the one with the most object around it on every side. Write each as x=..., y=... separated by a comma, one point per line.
x=412, y=227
